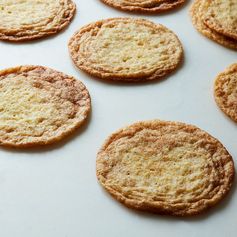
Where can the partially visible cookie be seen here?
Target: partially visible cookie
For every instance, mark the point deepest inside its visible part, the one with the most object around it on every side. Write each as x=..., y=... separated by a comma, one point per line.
x=31, y=19
x=165, y=167
x=39, y=106
x=197, y=11
x=144, y=6
x=222, y=17
x=126, y=49
x=225, y=91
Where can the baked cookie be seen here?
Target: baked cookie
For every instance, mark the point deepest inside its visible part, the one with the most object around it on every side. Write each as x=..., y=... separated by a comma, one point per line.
x=144, y=6
x=225, y=91
x=126, y=49
x=39, y=106
x=165, y=167
x=31, y=19
x=222, y=17
x=198, y=11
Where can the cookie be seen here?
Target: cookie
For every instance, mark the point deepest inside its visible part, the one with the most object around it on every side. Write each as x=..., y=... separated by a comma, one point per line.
x=225, y=91
x=144, y=6
x=197, y=12
x=31, y=19
x=39, y=106
x=165, y=167
x=126, y=49
x=222, y=17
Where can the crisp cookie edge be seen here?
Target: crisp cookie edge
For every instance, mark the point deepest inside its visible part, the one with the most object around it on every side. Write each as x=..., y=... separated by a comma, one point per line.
x=163, y=7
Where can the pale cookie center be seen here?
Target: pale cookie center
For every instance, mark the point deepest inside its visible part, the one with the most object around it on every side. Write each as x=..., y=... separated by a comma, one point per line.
x=178, y=173
x=30, y=111
x=130, y=48
x=20, y=13
x=230, y=90
x=225, y=11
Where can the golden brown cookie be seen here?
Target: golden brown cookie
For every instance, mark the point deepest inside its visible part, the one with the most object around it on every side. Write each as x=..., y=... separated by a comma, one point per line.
x=165, y=167
x=197, y=11
x=126, y=49
x=225, y=91
x=222, y=17
x=31, y=19
x=39, y=106
x=144, y=6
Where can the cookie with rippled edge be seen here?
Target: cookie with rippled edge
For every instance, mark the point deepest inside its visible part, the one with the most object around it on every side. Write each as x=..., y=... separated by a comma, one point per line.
x=197, y=12
x=222, y=17
x=30, y=19
x=165, y=167
x=144, y=6
x=225, y=91
x=40, y=106
x=126, y=49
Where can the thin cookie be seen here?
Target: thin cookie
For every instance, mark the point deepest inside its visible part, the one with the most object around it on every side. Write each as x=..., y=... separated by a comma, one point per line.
x=126, y=49
x=222, y=17
x=39, y=106
x=30, y=19
x=144, y=6
x=225, y=91
x=165, y=167
x=197, y=12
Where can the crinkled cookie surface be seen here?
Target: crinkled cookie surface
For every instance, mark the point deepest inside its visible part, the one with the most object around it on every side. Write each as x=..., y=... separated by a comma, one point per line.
x=222, y=17
x=39, y=106
x=126, y=49
x=198, y=11
x=225, y=91
x=37, y=19
x=144, y=6
x=165, y=167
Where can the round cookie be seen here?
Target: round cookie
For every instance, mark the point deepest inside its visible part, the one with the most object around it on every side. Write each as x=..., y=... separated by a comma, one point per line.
x=225, y=91
x=37, y=19
x=222, y=17
x=39, y=106
x=197, y=12
x=144, y=6
x=126, y=49
x=165, y=167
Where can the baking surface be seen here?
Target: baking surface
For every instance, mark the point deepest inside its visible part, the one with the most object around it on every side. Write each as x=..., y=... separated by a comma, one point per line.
x=53, y=191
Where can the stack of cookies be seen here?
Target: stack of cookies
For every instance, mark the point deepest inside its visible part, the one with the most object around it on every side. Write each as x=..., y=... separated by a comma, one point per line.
x=216, y=19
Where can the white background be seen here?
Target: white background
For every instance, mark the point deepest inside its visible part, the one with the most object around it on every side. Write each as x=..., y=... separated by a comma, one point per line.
x=54, y=191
